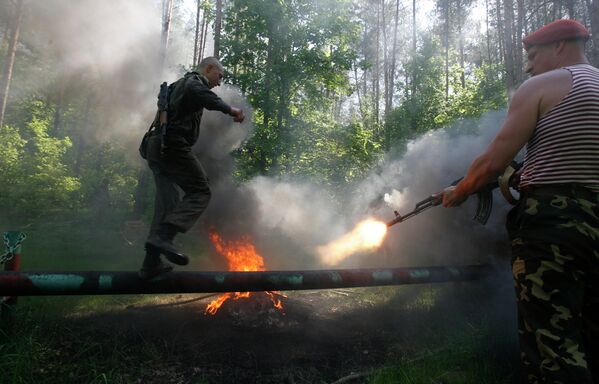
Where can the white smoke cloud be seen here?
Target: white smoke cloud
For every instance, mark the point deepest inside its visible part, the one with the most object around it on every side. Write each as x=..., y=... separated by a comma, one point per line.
x=108, y=50
x=308, y=216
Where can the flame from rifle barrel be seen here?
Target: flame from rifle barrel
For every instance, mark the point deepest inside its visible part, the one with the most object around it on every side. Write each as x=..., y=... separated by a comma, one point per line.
x=367, y=235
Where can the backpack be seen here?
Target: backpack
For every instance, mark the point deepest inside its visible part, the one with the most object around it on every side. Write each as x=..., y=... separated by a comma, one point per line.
x=160, y=120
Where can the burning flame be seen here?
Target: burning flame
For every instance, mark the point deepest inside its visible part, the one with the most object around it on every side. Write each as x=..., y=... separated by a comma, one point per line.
x=367, y=235
x=241, y=255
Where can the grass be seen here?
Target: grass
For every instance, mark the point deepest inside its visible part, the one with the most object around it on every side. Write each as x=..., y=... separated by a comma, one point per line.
x=47, y=344
x=455, y=360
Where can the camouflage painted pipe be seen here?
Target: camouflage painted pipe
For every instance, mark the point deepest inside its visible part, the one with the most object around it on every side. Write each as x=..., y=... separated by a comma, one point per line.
x=111, y=283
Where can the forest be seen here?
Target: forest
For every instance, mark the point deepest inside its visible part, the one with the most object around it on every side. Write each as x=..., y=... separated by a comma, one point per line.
x=353, y=108
x=334, y=86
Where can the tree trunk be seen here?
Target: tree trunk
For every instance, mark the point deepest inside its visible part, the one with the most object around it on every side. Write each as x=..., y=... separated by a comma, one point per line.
x=268, y=78
x=386, y=66
x=393, y=56
x=499, y=23
x=570, y=7
x=518, y=43
x=10, y=59
x=413, y=47
x=167, y=10
x=594, y=16
x=509, y=45
x=58, y=110
x=389, y=106
x=360, y=107
x=217, y=27
x=143, y=179
x=461, y=43
x=196, y=42
x=489, y=59
x=204, y=35
x=446, y=47
x=377, y=75
x=83, y=132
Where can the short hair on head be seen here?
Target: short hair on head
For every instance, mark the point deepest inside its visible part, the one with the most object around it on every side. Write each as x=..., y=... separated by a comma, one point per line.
x=210, y=60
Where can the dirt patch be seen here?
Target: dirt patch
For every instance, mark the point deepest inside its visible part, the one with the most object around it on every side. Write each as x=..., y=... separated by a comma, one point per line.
x=319, y=337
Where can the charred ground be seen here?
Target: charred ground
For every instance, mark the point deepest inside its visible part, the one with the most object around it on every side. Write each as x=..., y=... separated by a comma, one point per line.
x=321, y=337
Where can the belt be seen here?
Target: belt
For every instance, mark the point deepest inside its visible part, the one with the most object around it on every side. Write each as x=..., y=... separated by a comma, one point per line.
x=571, y=189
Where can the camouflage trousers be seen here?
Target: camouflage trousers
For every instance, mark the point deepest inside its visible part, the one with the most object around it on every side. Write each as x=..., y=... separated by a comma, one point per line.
x=554, y=233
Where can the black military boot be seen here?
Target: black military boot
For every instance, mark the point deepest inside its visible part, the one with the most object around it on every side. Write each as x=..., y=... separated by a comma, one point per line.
x=162, y=242
x=153, y=265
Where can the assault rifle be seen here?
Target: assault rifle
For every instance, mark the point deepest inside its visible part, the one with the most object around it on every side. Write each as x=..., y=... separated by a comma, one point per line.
x=162, y=113
x=485, y=197
x=160, y=122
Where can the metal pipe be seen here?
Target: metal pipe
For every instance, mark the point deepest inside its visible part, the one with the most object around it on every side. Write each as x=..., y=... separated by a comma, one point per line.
x=113, y=283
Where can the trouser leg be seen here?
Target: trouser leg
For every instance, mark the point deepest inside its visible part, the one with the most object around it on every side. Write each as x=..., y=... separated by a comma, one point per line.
x=551, y=265
x=591, y=319
x=166, y=199
x=186, y=171
x=177, y=167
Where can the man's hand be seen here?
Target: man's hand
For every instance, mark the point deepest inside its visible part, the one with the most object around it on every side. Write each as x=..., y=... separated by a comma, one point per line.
x=237, y=114
x=452, y=197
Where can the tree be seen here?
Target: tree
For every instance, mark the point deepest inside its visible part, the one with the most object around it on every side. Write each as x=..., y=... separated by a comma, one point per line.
x=10, y=58
x=167, y=11
x=218, y=27
x=594, y=12
x=143, y=179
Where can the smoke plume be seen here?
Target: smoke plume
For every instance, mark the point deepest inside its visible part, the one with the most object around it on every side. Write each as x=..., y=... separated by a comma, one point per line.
x=289, y=219
x=111, y=49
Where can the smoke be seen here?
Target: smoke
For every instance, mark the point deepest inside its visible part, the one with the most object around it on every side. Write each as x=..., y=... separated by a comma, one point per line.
x=111, y=50
x=107, y=50
x=305, y=216
x=430, y=163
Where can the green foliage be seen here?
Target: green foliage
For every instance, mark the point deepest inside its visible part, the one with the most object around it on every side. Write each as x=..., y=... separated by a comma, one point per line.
x=292, y=59
x=42, y=174
x=330, y=152
x=426, y=107
x=36, y=177
x=108, y=180
x=484, y=91
x=300, y=63
x=418, y=111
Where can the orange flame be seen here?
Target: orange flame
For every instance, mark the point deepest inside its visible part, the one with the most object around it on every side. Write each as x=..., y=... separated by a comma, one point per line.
x=366, y=236
x=241, y=255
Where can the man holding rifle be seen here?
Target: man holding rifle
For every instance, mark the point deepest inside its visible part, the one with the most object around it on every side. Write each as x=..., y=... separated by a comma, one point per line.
x=554, y=229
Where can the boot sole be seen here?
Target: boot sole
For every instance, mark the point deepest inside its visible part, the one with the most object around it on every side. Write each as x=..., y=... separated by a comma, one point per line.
x=174, y=258
x=147, y=274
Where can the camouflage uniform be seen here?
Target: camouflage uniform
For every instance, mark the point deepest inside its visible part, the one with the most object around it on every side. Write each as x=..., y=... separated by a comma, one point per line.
x=177, y=165
x=555, y=262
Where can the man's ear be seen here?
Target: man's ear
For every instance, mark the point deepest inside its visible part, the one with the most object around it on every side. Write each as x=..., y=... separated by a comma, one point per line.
x=559, y=47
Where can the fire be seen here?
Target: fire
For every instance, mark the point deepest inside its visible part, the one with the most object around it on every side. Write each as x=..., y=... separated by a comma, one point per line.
x=241, y=255
x=367, y=235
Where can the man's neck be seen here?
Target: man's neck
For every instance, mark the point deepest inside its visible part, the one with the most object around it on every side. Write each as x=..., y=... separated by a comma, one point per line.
x=573, y=60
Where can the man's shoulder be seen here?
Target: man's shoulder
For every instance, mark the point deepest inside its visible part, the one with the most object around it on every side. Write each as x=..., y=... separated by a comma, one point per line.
x=546, y=82
x=546, y=90
x=195, y=78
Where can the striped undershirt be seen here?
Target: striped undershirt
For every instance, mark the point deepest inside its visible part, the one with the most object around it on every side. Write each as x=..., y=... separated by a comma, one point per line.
x=564, y=148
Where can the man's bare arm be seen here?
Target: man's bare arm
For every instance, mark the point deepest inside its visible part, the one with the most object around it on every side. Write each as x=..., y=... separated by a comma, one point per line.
x=515, y=132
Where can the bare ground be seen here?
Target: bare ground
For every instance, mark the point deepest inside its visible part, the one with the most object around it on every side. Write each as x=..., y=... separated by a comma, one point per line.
x=319, y=337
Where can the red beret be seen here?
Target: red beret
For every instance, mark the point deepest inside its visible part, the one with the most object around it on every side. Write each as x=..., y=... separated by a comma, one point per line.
x=556, y=31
